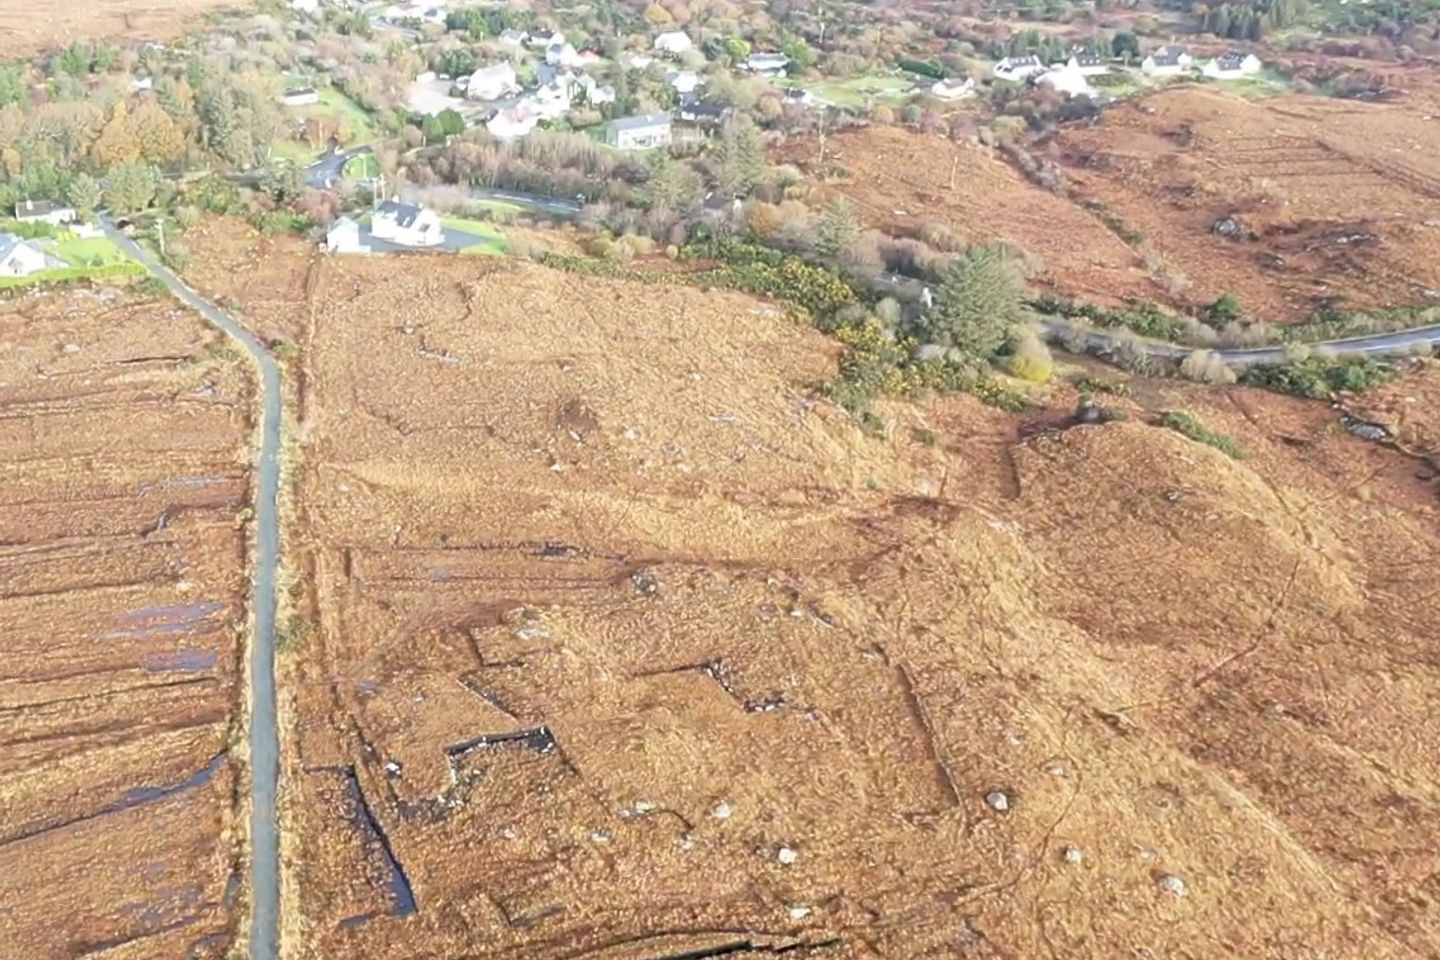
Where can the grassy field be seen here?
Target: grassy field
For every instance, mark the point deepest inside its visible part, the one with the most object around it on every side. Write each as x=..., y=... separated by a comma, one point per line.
x=362, y=167
x=357, y=125
x=88, y=251
x=490, y=241
x=1266, y=83
x=864, y=91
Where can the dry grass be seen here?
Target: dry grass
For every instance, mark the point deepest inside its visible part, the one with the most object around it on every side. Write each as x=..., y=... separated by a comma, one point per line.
x=24, y=30
x=124, y=438
x=535, y=500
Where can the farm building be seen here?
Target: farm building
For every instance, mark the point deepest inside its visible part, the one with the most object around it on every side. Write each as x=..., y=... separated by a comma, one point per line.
x=1167, y=61
x=674, y=42
x=406, y=224
x=19, y=258
x=644, y=132
x=44, y=211
x=953, y=88
x=344, y=237
x=1018, y=69
x=1232, y=65
x=492, y=82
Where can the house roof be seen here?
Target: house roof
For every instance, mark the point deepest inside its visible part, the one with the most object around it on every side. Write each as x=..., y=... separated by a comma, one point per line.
x=1028, y=60
x=1231, y=59
x=641, y=122
x=404, y=214
x=1168, y=55
x=299, y=91
x=35, y=209
x=952, y=83
x=1087, y=58
x=344, y=223
x=699, y=108
x=9, y=243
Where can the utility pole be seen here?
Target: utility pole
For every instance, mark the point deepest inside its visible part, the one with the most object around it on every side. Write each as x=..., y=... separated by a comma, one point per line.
x=160, y=226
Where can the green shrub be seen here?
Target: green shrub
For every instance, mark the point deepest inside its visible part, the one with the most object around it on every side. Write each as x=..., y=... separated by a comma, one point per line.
x=1190, y=426
x=1320, y=377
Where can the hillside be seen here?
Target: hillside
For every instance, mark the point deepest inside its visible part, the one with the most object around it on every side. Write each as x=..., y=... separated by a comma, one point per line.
x=625, y=645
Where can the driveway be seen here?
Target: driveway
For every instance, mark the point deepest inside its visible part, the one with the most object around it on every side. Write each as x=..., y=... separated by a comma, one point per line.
x=454, y=241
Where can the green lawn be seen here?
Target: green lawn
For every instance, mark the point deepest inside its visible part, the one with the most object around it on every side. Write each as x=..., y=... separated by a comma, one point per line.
x=865, y=90
x=1266, y=83
x=490, y=240
x=94, y=258
x=87, y=252
x=361, y=167
x=334, y=105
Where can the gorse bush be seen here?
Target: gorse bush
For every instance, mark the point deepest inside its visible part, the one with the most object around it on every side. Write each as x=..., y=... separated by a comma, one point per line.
x=1318, y=378
x=1188, y=425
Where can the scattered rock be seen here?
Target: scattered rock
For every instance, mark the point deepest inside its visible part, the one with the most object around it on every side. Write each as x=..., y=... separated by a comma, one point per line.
x=1073, y=854
x=643, y=807
x=508, y=832
x=998, y=800
x=787, y=855
x=393, y=768
x=1172, y=885
x=721, y=811
x=1057, y=769
x=71, y=348
x=1229, y=228
x=600, y=836
x=798, y=911
x=644, y=583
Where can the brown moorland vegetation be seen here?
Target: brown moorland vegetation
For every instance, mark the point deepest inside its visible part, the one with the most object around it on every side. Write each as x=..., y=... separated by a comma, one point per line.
x=1329, y=199
x=24, y=28
x=124, y=434
x=624, y=646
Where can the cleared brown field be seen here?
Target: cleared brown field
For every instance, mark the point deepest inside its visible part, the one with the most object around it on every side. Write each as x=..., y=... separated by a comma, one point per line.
x=25, y=29
x=124, y=433
x=1333, y=200
x=626, y=648
x=901, y=180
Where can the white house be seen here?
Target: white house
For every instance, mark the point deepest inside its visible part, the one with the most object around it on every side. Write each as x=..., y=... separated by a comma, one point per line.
x=300, y=97
x=492, y=82
x=953, y=88
x=592, y=92
x=1067, y=81
x=766, y=64
x=552, y=99
x=1232, y=65
x=513, y=37
x=344, y=237
x=644, y=132
x=44, y=211
x=513, y=122
x=139, y=84
x=19, y=258
x=1087, y=63
x=675, y=42
x=562, y=54
x=1018, y=69
x=1168, y=61
x=685, y=82
x=546, y=42
x=406, y=224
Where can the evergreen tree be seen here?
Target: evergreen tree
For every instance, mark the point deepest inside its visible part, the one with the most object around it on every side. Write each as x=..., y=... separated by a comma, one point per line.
x=740, y=159
x=981, y=299
x=84, y=195
x=130, y=188
x=838, y=228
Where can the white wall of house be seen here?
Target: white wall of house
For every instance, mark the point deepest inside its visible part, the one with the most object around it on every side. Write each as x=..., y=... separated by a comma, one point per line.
x=22, y=260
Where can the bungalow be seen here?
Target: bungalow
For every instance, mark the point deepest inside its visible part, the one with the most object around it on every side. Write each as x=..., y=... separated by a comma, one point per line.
x=19, y=258
x=685, y=82
x=406, y=224
x=344, y=237
x=1018, y=69
x=513, y=37
x=300, y=97
x=644, y=132
x=674, y=43
x=561, y=54
x=44, y=211
x=512, y=123
x=492, y=82
x=703, y=114
x=1087, y=62
x=953, y=88
x=1067, y=81
x=1168, y=61
x=1232, y=65
x=766, y=64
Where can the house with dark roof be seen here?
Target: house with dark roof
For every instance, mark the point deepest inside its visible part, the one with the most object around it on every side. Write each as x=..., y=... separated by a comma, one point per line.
x=406, y=224
x=44, y=211
x=703, y=114
x=1019, y=69
x=1232, y=65
x=1167, y=61
x=1087, y=62
x=644, y=132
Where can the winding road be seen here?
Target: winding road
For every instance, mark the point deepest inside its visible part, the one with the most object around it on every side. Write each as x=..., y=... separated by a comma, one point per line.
x=264, y=729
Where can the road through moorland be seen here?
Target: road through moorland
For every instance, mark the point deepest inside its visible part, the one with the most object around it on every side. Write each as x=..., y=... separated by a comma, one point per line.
x=264, y=728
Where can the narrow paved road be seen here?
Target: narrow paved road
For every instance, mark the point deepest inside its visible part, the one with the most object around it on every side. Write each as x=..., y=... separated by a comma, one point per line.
x=264, y=730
